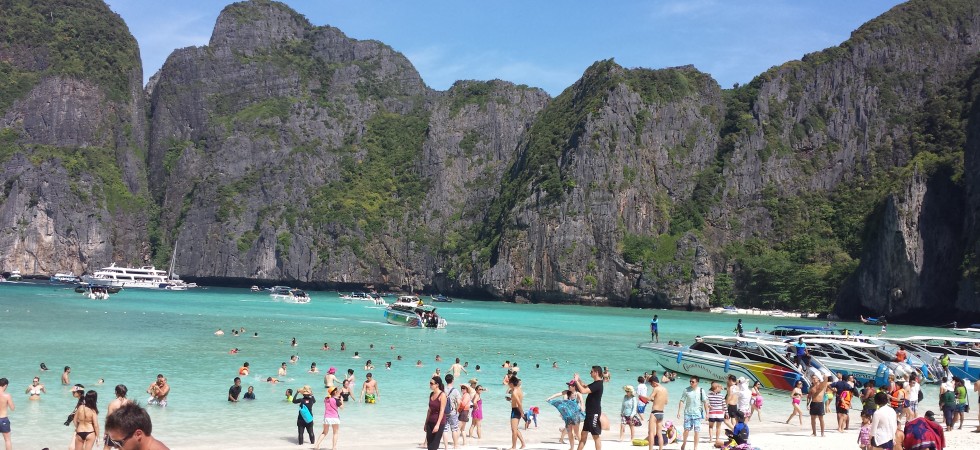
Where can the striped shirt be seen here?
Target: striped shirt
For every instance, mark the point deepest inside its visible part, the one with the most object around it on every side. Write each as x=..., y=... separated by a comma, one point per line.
x=716, y=405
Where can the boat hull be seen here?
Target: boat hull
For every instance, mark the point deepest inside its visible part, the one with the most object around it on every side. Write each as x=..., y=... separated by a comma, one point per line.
x=716, y=367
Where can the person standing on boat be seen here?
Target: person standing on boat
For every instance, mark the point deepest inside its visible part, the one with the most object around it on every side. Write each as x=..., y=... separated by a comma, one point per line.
x=654, y=329
x=694, y=401
x=801, y=354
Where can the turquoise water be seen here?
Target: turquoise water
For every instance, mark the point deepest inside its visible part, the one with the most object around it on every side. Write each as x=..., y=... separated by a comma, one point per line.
x=137, y=334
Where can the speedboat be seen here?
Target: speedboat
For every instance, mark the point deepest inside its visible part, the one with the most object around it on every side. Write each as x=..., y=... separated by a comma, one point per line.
x=14, y=275
x=866, y=361
x=289, y=295
x=968, y=331
x=255, y=288
x=716, y=357
x=373, y=299
x=441, y=299
x=69, y=278
x=873, y=320
x=409, y=311
x=964, y=353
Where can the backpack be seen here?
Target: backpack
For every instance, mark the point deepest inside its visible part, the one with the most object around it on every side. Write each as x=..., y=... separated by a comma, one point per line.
x=921, y=396
x=451, y=405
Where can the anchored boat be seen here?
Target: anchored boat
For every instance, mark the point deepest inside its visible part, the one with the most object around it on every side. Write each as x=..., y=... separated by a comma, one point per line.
x=409, y=311
x=716, y=357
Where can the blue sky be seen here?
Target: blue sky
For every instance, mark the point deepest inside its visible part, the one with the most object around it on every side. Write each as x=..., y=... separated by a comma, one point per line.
x=546, y=44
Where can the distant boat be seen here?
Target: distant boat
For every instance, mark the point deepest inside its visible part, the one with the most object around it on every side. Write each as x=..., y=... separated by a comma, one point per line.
x=874, y=320
x=14, y=275
x=364, y=297
x=441, y=299
x=69, y=278
x=289, y=295
x=409, y=311
x=255, y=289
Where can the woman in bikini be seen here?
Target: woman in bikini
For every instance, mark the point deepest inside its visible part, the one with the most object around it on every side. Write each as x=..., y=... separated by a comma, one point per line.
x=87, y=422
x=35, y=389
x=797, y=397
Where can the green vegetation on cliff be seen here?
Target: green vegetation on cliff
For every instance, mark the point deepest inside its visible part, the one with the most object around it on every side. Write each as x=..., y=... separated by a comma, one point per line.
x=378, y=182
x=75, y=38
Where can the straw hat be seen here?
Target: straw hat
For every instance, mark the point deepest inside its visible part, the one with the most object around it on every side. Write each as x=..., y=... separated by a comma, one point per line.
x=629, y=390
x=474, y=381
x=305, y=390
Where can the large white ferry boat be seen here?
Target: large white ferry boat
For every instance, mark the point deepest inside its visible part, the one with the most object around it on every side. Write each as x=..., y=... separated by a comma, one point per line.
x=147, y=277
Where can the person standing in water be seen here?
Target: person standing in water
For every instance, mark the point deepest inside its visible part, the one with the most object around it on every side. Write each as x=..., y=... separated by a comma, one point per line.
x=35, y=390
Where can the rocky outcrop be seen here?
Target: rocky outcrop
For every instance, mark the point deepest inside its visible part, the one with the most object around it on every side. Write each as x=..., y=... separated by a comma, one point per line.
x=71, y=143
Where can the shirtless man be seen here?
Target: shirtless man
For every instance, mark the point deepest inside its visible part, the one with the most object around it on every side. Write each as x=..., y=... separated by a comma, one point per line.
x=35, y=389
x=282, y=370
x=369, y=390
x=658, y=401
x=6, y=402
x=815, y=400
x=516, y=412
x=117, y=402
x=456, y=368
x=158, y=391
x=731, y=402
x=65, y=380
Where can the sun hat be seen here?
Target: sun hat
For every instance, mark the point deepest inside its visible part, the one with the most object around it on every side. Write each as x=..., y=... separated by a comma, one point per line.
x=473, y=381
x=332, y=369
x=629, y=389
x=331, y=391
x=571, y=383
x=305, y=390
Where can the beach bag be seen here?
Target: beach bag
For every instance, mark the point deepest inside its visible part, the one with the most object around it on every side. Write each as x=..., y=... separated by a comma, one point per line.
x=641, y=408
x=921, y=395
x=636, y=420
x=305, y=413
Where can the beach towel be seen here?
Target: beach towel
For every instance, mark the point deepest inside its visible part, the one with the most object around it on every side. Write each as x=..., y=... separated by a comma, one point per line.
x=567, y=408
x=922, y=433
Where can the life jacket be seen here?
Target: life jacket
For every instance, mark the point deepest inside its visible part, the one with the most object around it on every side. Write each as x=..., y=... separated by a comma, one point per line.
x=844, y=399
x=893, y=399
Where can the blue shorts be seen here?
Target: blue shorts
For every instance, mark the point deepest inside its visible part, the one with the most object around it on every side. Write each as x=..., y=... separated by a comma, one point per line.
x=692, y=422
x=961, y=407
x=5, y=425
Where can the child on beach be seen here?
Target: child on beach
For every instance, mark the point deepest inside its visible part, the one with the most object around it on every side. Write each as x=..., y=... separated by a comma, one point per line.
x=864, y=436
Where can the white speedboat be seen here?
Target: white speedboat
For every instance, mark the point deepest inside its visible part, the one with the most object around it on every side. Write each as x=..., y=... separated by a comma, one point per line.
x=868, y=355
x=364, y=297
x=14, y=276
x=968, y=332
x=69, y=278
x=289, y=295
x=409, y=311
x=716, y=357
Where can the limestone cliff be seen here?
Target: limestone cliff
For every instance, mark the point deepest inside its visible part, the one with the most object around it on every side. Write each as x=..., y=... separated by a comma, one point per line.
x=72, y=139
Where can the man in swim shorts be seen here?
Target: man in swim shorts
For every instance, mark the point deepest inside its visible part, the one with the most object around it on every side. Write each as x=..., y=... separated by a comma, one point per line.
x=158, y=391
x=369, y=390
x=731, y=401
x=6, y=403
x=815, y=399
x=658, y=401
x=593, y=408
x=695, y=404
x=655, y=329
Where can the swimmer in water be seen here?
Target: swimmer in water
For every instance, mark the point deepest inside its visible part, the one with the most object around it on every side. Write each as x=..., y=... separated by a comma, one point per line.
x=220, y=332
x=326, y=346
x=44, y=368
x=35, y=389
x=293, y=359
x=272, y=380
x=313, y=368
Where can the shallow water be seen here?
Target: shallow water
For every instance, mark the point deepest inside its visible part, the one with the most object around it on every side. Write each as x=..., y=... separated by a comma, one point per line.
x=138, y=333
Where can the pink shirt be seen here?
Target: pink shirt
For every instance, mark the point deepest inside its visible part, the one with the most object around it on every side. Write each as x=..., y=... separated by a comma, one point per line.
x=330, y=408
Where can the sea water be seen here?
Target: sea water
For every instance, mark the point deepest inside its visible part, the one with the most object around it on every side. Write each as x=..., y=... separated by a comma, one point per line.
x=137, y=334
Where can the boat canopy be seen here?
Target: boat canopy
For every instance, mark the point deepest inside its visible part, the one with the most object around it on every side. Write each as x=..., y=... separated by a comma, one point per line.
x=750, y=340
x=858, y=344
x=803, y=328
x=959, y=339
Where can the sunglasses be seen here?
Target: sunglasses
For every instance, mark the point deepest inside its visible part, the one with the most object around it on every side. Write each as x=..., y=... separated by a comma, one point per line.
x=110, y=442
x=694, y=381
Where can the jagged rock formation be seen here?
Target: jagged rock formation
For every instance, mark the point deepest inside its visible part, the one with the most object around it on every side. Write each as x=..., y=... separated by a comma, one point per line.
x=288, y=151
x=72, y=139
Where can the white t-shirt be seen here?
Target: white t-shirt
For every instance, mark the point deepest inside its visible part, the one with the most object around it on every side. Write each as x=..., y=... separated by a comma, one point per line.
x=884, y=423
x=914, y=393
x=744, y=398
x=641, y=390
